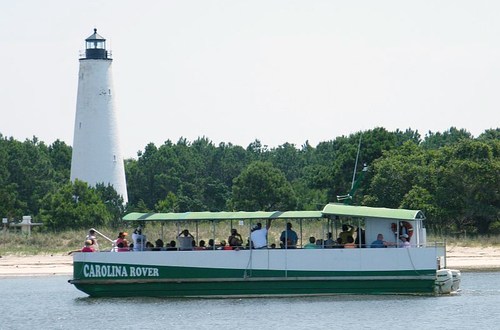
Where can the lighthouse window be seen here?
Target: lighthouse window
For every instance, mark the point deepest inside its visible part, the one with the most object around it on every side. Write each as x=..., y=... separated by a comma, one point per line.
x=114, y=158
x=80, y=125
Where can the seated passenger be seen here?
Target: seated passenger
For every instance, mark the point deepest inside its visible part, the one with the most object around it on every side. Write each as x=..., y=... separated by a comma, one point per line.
x=288, y=238
x=201, y=246
x=379, y=242
x=224, y=246
x=121, y=247
x=88, y=246
x=347, y=231
x=120, y=239
x=211, y=244
x=158, y=245
x=311, y=244
x=235, y=239
x=149, y=246
x=329, y=242
x=171, y=246
x=404, y=241
x=350, y=243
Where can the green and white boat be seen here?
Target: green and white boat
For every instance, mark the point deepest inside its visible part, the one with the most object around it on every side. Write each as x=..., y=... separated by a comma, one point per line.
x=420, y=269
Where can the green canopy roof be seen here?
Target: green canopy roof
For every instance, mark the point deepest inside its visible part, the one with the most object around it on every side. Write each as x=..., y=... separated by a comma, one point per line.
x=186, y=216
x=330, y=209
x=372, y=212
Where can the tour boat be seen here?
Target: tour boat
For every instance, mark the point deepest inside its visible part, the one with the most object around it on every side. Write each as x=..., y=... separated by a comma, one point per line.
x=419, y=268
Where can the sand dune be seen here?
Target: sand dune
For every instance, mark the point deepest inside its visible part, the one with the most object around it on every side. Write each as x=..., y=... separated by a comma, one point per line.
x=462, y=258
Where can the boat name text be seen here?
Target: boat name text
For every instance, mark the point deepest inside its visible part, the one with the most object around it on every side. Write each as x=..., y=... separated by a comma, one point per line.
x=119, y=271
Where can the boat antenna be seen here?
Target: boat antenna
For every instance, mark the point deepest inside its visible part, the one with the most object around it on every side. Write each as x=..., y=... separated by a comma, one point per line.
x=356, y=163
x=347, y=199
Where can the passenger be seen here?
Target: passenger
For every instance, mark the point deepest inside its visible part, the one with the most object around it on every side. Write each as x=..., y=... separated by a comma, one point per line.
x=347, y=230
x=319, y=243
x=350, y=243
x=258, y=235
x=329, y=242
x=121, y=239
x=201, y=246
x=360, y=237
x=139, y=240
x=311, y=244
x=171, y=246
x=338, y=244
x=211, y=244
x=379, y=242
x=159, y=245
x=92, y=236
x=404, y=241
x=273, y=246
x=121, y=247
x=288, y=238
x=224, y=246
x=88, y=246
x=185, y=239
x=235, y=239
x=149, y=246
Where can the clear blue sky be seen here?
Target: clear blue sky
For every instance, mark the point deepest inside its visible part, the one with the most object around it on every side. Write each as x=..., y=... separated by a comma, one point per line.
x=236, y=71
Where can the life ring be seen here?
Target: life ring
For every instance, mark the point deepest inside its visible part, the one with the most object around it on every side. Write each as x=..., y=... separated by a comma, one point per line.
x=404, y=228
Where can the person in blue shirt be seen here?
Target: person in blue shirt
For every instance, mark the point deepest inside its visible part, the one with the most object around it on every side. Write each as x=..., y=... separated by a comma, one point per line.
x=288, y=238
x=379, y=243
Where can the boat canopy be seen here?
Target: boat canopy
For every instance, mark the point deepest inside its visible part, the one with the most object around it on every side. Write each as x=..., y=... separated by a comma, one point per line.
x=197, y=216
x=372, y=212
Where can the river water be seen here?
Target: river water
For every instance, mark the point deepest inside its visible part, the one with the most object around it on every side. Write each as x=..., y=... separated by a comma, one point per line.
x=52, y=303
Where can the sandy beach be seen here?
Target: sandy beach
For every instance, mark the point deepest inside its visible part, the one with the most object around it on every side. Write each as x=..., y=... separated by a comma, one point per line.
x=462, y=258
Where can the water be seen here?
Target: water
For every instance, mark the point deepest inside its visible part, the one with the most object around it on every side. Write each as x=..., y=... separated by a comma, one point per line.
x=52, y=303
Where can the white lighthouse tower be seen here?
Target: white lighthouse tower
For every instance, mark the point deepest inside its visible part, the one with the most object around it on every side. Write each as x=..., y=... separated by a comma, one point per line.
x=97, y=156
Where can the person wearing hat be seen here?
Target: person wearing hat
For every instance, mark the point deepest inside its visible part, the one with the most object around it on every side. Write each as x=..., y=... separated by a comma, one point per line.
x=259, y=235
x=404, y=241
x=121, y=239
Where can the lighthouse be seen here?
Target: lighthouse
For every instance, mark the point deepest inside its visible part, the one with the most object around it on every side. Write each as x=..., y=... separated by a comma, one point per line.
x=97, y=156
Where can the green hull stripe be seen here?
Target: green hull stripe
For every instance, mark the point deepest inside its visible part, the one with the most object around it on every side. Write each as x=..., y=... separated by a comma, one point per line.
x=166, y=281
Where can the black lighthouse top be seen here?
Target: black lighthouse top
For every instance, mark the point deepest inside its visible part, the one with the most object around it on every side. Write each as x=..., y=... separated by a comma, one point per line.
x=95, y=47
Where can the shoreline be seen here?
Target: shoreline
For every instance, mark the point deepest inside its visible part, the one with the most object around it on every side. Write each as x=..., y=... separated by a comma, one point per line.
x=465, y=259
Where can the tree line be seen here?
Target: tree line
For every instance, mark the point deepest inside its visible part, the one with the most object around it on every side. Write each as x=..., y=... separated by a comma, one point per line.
x=452, y=176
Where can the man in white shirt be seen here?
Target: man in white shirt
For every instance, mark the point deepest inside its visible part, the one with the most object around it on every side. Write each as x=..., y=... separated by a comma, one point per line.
x=259, y=235
x=139, y=240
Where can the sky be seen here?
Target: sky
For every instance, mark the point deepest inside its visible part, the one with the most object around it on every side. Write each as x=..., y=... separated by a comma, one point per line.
x=236, y=71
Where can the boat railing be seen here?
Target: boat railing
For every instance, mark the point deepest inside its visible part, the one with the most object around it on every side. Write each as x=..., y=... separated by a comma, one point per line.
x=102, y=235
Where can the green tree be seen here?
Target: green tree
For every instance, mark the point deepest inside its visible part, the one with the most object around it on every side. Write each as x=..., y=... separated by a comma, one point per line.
x=74, y=206
x=262, y=187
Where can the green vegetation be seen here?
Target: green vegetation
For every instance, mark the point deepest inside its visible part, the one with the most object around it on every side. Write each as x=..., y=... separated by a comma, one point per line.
x=453, y=177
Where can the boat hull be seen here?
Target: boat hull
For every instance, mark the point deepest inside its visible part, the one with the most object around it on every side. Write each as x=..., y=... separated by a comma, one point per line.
x=251, y=273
